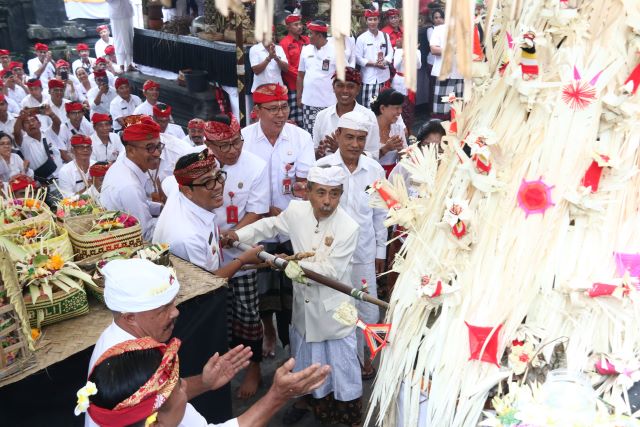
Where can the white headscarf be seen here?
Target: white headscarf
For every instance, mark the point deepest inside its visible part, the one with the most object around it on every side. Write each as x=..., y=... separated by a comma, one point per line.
x=354, y=120
x=332, y=176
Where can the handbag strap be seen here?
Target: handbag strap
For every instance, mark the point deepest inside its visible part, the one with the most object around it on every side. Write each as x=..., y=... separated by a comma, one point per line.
x=46, y=147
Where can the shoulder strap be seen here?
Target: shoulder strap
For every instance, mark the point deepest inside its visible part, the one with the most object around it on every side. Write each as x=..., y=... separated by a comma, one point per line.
x=46, y=147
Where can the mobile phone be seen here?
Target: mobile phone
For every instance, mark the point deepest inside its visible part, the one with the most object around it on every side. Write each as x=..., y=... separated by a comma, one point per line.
x=41, y=109
x=102, y=81
x=64, y=75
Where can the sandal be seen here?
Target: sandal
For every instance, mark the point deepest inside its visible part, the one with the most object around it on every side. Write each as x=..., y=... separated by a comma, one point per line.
x=293, y=415
x=366, y=376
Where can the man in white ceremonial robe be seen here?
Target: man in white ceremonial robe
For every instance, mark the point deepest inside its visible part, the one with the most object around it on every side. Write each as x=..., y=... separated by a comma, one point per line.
x=319, y=225
x=123, y=188
x=361, y=172
x=121, y=15
x=142, y=297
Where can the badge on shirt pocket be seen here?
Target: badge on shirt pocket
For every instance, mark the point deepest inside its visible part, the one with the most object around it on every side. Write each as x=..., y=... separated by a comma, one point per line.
x=325, y=65
x=286, y=186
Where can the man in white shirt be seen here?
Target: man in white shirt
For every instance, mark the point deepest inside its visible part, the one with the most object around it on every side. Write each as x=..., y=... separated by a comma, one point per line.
x=14, y=91
x=104, y=40
x=124, y=104
x=374, y=54
x=195, y=129
x=124, y=184
x=326, y=124
x=38, y=146
x=361, y=172
x=162, y=116
x=100, y=96
x=36, y=99
x=7, y=119
x=246, y=200
x=322, y=226
x=317, y=66
x=268, y=62
x=84, y=61
x=454, y=82
x=106, y=145
x=73, y=177
x=101, y=64
x=121, y=15
x=151, y=92
x=41, y=67
x=5, y=59
x=75, y=124
x=288, y=152
x=57, y=100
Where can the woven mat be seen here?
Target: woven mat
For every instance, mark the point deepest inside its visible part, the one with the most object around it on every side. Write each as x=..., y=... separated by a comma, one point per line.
x=64, y=339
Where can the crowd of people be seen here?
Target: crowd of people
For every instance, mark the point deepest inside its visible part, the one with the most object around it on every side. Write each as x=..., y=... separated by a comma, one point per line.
x=294, y=181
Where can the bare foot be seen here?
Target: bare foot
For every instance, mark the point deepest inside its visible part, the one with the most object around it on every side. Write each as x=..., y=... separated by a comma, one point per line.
x=251, y=382
x=269, y=340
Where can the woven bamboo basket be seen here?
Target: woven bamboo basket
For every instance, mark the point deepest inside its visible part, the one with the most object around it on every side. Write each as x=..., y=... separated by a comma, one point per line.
x=85, y=245
x=15, y=333
x=43, y=216
x=65, y=305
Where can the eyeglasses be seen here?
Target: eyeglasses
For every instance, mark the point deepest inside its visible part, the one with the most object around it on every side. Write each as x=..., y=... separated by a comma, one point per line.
x=151, y=148
x=282, y=108
x=227, y=147
x=210, y=184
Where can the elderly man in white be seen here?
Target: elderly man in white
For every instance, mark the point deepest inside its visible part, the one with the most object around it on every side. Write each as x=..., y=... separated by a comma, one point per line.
x=361, y=172
x=321, y=226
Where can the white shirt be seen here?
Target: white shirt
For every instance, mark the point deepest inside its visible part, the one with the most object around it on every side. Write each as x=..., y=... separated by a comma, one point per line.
x=105, y=101
x=49, y=72
x=368, y=48
x=272, y=73
x=113, y=335
x=120, y=9
x=246, y=179
x=79, y=64
x=60, y=111
x=71, y=179
x=122, y=108
x=13, y=168
x=175, y=130
x=123, y=189
x=30, y=102
x=188, y=140
x=196, y=238
x=397, y=128
x=317, y=83
x=101, y=152
x=13, y=106
x=327, y=123
x=17, y=93
x=7, y=127
x=101, y=45
x=33, y=150
x=144, y=108
x=355, y=200
x=67, y=131
x=293, y=147
x=110, y=77
x=439, y=38
x=398, y=63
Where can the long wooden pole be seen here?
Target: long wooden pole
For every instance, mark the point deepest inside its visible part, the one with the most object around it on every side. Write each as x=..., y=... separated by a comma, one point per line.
x=317, y=277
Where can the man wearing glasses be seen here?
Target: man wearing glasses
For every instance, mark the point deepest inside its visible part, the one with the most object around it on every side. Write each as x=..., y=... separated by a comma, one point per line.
x=124, y=184
x=246, y=200
x=288, y=152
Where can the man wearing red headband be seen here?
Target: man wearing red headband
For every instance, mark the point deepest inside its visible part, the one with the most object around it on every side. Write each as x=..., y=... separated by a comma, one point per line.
x=195, y=129
x=73, y=177
x=57, y=103
x=106, y=145
x=104, y=40
x=374, y=54
x=41, y=67
x=124, y=104
x=72, y=89
x=324, y=138
x=5, y=59
x=121, y=15
x=162, y=116
x=101, y=65
x=74, y=123
x=292, y=45
x=393, y=28
x=246, y=200
x=151, y=91
x=84, y=61
x=18, y=72
x=35, y=99
x=288, y=152
x=97, y=171
x=124, y=185
x=101, y=96
x=317, y=66
x=13, y=90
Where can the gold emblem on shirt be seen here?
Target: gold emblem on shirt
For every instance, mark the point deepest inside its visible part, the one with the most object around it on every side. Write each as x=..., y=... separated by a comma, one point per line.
x=328, y=241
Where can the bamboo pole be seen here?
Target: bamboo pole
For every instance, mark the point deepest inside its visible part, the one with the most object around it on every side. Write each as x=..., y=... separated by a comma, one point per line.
x=317, y=277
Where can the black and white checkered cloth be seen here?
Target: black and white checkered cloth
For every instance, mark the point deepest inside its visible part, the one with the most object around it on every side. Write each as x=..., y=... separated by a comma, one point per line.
x=309, y=114
x=368, y=92
x=243, y=316
x=295, y=112
x=444, y=88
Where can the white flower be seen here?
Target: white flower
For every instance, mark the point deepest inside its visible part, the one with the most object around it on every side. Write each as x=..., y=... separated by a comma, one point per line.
x=83, y=394
x=521, y=356
x=456, y=210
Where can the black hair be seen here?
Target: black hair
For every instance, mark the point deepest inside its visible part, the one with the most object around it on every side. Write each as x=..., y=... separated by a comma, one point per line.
x=432, y=126
x=3, y=134
x=387, y=97
x=118, y=377
x=439, y=11
x=221, y=118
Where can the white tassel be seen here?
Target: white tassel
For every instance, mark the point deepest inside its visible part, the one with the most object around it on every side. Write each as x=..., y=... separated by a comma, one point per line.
x=264, y=20
x=340, y=30
x=410, y=43
x=223, y=6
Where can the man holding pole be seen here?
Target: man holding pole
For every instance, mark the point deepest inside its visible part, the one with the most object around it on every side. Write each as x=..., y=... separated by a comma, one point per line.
x=319, y=225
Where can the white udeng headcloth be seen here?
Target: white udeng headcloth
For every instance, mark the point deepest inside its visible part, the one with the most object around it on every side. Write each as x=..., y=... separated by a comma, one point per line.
x=354, y=120
x=332, y=175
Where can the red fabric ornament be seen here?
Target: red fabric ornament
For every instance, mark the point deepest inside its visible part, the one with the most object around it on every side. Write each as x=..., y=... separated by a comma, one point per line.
x=601, y=289
x=592, y=176
x=41, y=47
x=459, y=230
x=195, y=124
x=145, y=129
x=317, y=27
x=100, y=61
x=150, y=84
x=392, y=12
x=21, y=182
x=109, y=50
x=384, y=195
x=34, y=83
x=15, y=64
x=369, y=13
x=4, y=52
x=478, y=335
x=534, y=196
x=99, y=117
x=217, y=131
x=634, y=78
x=98, y=170
x=204, y=163
x=55, y=83
x=81, y=47
x=292, y=18
x=121, y=81
x=101, y=28
x=270, y=92
x=73, y=106
x=158, y=111
x=80, y=140
x=62, y=63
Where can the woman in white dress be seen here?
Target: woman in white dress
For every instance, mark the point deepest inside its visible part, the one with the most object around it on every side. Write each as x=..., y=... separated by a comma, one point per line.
x=11, y=164
x=388, y=109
